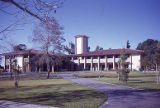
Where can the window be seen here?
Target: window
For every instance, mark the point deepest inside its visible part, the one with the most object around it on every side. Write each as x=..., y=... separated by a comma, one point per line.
x=7, y=67
x=75, y=58
x=110, y=56
x=102, y=57
x=95, y=57
x=117, y=56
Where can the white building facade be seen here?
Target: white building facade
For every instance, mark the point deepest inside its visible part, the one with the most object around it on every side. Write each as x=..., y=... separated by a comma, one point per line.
x=107, y=60
x=102, y=59
x=98, y=60
x=81, y=44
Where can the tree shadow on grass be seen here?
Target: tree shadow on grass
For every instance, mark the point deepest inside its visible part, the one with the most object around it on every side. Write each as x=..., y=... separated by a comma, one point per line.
x=140, y=81
x=52, y=94
x=48, y=86
x=141, y=76
x=59, y=98
x=132, y=97
x=30, y=88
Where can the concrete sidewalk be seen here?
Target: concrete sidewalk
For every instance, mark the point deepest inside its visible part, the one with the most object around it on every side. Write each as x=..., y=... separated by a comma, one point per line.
x=120, y=96
x=9, y=104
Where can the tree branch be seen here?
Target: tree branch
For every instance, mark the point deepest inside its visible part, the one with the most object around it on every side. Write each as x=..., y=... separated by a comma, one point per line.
x=22, y=8
x=6, y=29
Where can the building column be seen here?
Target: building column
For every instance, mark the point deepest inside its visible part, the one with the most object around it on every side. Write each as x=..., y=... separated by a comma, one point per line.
x=84, y=63
x=4, y=62
x=28, y=63
x=113, y=62
x=131, y=62
x=23, y=63
x=72, y=64
x=98, y=63
x=91, y=63
x=106, y=67
x=119, y=65
x=9, y=64
x=53, y=68
x=78, y=63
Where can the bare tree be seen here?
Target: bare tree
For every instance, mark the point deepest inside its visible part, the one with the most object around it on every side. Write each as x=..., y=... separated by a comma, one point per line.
x=71, y=48
x=14, y=68
x=7, y=45
x=38, y=9
x=35, y=8
x=49, y=36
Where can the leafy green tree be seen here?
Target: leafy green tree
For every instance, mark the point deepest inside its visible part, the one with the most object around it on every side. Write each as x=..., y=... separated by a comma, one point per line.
x=123, y=57
x=148, y=46
x=98, y=48
x=123, y=72
x=16, y=71
x=20, y=47
x=145, y=63
x=157, y=62
x=128, y=44
x=71, y=48
x=89, y=48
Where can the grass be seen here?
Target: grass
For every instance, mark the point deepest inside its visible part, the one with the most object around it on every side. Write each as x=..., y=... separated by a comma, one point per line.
x=136, y=79
x=91, y=74
x=53, y=92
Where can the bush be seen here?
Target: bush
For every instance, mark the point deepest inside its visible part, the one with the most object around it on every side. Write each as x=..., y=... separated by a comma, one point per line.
x=123, y=74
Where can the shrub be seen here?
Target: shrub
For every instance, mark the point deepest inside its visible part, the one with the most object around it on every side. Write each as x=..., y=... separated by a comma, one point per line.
x=123, y=74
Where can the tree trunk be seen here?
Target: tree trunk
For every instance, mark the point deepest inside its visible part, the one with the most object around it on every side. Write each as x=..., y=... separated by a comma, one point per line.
x=118, y=76
x=156, y=67
x=53, y=68
x=145, y=68
x=48, y=69
x=39, y=69
x=158, y=77
x=15, y=81
x=48, y=75
x=11, y=75
x=36, y=69
x=10, y=68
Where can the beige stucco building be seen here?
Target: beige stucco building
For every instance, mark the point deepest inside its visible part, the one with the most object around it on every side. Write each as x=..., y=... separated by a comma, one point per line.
x=82, y=59
x=102, y=59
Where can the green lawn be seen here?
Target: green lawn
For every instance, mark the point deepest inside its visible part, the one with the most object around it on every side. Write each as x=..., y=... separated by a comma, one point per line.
x=52, y=92
x=136, y=79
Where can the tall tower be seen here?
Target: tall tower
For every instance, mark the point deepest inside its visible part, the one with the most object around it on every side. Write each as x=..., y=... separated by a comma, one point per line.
x=81, y=44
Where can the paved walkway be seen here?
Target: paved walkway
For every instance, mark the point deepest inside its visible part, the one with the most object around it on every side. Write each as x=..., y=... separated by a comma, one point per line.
x=120, y=96
x=9, y=104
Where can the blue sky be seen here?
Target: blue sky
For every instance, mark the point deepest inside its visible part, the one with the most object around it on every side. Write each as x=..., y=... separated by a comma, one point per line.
x=108, y=23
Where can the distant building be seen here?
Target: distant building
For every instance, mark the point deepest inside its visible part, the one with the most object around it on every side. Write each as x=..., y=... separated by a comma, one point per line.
x=102, y=59
x=106, y=60
x=81, y=44
x=81, y=60
x=25, y=60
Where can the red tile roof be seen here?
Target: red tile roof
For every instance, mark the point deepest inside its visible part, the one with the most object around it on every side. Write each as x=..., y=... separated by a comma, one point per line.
x=109, y=52
x=98, y=52
x=77, y=36
x=31, y=51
